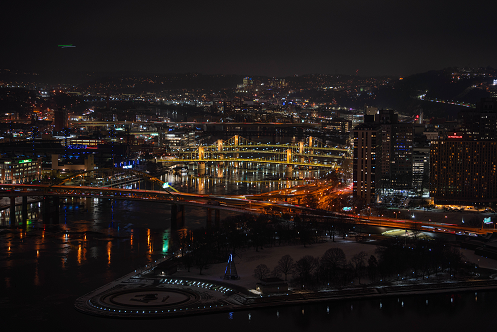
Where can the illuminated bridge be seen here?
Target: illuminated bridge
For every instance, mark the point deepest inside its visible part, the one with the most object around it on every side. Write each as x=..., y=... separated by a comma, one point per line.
x=105, y=183
x=96, y=187
x=312, y=152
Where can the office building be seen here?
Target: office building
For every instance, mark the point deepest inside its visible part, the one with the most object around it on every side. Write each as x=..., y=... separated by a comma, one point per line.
x=15, y=171
x=391, y=144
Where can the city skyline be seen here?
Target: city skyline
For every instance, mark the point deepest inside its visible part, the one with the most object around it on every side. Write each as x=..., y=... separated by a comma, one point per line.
x=271, y=39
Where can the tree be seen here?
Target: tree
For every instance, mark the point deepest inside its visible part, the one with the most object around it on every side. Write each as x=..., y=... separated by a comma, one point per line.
x=372, y=268
x=285, y=265
x=331, y=262
x=188, y=260
x=343, y=227
x=304, y=269
x=359, y=261
x=257, y=228
x=202, y=259
x=303, y=231
x=261, y=271
x=453, y=257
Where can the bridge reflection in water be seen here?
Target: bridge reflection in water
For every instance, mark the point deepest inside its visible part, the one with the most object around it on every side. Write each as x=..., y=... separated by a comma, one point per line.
x=105, y=183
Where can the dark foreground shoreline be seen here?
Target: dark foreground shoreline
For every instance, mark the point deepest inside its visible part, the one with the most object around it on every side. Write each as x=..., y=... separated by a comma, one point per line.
x=139, y=295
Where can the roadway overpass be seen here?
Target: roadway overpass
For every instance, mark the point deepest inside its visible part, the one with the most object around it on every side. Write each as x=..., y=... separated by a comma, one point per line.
x=51, y=194
x=193, y=123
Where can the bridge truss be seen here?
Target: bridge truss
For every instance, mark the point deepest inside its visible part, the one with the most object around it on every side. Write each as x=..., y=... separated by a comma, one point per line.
x=111, y=178
x=312, y=152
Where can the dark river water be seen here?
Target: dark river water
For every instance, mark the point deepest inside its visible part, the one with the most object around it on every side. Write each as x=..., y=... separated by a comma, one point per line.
x=45, y=268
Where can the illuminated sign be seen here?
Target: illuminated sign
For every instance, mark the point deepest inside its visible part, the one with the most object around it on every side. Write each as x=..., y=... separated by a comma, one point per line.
x=487, y=220
x=81, y=147
x=347, y=208
x=24, y=161
x=455, y=136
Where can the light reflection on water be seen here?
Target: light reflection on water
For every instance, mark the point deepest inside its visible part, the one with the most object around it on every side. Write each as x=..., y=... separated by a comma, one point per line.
x=98, y=241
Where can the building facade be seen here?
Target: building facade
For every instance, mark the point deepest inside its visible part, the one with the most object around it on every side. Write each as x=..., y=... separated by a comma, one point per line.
x=463, y=171
x=383, y=156
x=364, y=162
x=16, y=171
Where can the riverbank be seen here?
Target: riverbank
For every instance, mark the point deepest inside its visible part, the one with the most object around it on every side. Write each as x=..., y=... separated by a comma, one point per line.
x=144, y=294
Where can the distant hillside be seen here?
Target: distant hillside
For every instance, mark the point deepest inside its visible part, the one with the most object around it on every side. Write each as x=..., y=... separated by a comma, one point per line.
x=137, y=83
x=466, y=86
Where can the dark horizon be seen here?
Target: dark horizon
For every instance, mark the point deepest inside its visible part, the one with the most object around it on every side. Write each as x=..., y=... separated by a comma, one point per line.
x=276, y=39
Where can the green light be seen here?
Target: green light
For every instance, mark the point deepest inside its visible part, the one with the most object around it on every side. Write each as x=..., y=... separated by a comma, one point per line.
x=165, y=241
x=24, y=161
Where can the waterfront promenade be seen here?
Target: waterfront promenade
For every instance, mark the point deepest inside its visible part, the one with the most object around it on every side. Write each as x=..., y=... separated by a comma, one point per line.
x=145, y=294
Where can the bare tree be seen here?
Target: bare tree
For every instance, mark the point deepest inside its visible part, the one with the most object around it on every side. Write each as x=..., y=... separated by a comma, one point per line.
x=285, y=265
x=332, y=261
x=202, y=259
x=188, y=259
x=372, y=268
x=359, y=262
x=261, y=271
x=304, y=269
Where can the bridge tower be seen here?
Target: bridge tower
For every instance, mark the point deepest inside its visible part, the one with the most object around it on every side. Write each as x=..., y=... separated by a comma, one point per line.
x=201, y=164
x=310, y=146
x=236, y=149
x=289, y=155
x=289, y=168
x=301, y=151
x=219, y=150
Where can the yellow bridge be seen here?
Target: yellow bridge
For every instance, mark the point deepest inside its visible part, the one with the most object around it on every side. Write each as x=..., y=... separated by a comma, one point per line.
x=311, y=152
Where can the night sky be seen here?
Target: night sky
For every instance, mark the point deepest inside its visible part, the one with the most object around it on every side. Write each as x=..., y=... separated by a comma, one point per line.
x=272, y=38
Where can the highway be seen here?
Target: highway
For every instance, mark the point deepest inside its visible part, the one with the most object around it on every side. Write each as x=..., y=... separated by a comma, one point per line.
x=258, y=204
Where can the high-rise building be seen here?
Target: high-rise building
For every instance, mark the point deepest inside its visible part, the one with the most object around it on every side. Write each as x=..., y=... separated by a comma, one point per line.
x=480, y=123
x=364, y=161
x=60, y=119
x=401, y=158
x=391, y=144
x=420, y=169
x=463, y=170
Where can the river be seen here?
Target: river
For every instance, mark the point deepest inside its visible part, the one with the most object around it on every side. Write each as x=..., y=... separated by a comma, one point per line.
x=45, y=268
